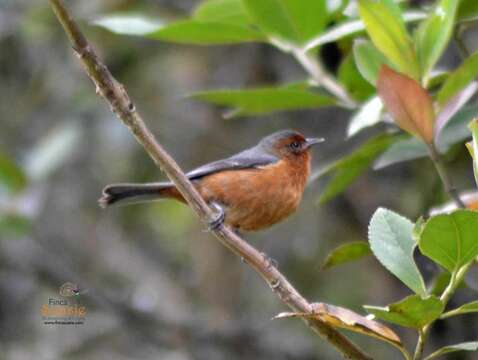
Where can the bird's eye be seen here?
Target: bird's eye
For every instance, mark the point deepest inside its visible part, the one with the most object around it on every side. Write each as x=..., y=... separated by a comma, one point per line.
x=295, y=145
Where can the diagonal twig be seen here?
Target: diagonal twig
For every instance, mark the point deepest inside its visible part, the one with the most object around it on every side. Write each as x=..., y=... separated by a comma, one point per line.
x=319, y=75
x=120, y=103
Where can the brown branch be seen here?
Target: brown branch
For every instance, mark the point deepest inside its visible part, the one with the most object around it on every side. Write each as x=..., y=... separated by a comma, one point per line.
x=319, y=75
x=122, y=106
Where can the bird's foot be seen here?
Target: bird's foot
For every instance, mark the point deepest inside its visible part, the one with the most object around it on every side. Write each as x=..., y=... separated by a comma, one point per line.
x=218, y=219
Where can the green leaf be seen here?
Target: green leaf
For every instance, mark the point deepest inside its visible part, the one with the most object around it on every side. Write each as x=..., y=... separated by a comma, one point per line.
x=369, y=114
x=292, y=21
x=128, y=24
x=14, y=225
x=346, y=253
x=225, y=11
x=206, y=33
x=353, y=27
x=459, y=79
x=450, y=239
x=350, y=77
x=387, y=30
x=405, y=149
x=264, y=100
x=471, y=307
x=298, y=85
x=184, y=32
x=349, y=168
x=465, y=346
x=433, y=35
x=369, y=60
x=412, y=311
x=391, y=240
x=12, y=176
x=467, y=11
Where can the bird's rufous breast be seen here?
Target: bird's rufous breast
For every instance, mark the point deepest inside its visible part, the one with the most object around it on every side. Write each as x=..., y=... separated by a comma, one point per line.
x=258, y=198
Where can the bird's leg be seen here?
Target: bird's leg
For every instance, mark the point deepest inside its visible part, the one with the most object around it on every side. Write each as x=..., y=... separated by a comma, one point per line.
x=219, y=218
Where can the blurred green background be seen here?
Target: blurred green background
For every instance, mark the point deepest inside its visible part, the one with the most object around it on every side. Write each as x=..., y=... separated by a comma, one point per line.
x=156, y=285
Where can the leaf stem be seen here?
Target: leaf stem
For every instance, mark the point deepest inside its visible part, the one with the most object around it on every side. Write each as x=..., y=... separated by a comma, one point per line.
x=405, y=353
x=455, y=280
x=319, y=75
x=444, y=176
x=422, y=337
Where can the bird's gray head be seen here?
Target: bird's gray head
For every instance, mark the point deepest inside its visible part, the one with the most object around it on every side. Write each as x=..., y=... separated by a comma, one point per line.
x=286, y=143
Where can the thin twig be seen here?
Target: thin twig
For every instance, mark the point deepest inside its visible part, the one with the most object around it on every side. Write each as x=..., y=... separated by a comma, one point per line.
x=120, y=103
x=444, y=176
x=422, y=337
x=455, y=280
x=319, y=75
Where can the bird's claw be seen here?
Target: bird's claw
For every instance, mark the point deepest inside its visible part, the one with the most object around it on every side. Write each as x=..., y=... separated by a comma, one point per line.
x=218, y=219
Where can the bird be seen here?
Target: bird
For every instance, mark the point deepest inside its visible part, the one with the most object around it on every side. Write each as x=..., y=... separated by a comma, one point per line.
x=252, y=190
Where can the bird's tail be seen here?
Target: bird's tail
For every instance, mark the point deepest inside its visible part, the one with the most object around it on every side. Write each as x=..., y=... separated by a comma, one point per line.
x=137, y=193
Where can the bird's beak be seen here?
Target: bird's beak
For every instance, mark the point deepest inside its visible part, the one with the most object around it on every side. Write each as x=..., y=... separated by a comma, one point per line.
x=313, y=141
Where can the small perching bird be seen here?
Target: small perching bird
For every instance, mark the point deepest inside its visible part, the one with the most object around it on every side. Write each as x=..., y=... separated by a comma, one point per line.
x=254, y=189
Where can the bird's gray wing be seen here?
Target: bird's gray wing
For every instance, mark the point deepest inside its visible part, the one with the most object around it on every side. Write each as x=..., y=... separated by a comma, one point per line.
x=247, y=159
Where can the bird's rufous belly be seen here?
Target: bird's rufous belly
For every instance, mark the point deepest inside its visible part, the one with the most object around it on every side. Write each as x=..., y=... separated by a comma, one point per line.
x=253, y=199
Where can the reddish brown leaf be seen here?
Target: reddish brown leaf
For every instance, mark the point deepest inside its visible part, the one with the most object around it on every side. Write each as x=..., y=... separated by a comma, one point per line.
x=410, y=105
